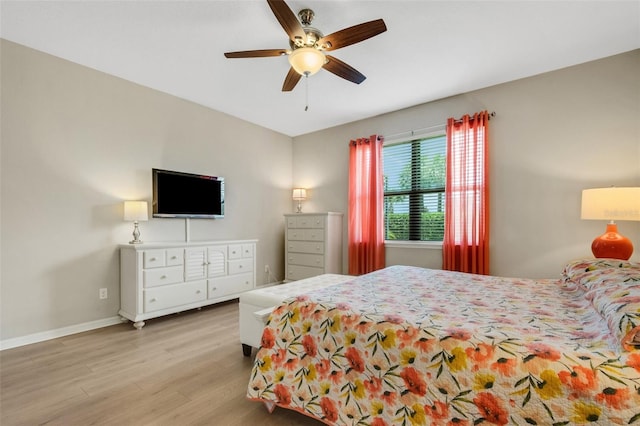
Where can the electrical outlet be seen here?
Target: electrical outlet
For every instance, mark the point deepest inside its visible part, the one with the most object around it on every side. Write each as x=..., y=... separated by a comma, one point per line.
x=103, y=293
x=266, y=269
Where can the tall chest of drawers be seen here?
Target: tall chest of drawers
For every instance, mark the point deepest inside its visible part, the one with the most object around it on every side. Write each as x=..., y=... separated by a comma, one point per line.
x=163, y=278
x=313, y=244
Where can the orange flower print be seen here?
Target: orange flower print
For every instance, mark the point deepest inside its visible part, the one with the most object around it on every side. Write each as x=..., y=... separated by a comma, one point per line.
x=505, y=366
x=336, y=376
x=373, y=385
x=424, y=344
x=480, y=355
x=282, y=393
x=268, y=338
x=323, y=367
x=614, y=398
x=457, y=421
x=355, y=359
x=634, y=361
x=459, y=334
x=491, y=408
x=580, y=380
x=438, y=411
x=377, y=421
x=406, y=335
x=291, y=364
x=309, y=345
x=329, y=411
x=413, y=381
x=543, y=351
x=279, y=356
x=389, y=397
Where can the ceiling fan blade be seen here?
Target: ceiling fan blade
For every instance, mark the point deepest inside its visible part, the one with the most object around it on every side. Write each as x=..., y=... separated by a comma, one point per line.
x=290, y=80
x=343, y=70
x=256, y=53
x=287, y=19
x=352, y=35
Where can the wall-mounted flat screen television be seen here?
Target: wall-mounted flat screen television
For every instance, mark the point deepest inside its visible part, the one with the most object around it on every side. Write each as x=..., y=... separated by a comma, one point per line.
x=179, y=194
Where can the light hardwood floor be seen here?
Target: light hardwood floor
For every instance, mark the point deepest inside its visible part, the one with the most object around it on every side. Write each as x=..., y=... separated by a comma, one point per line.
x=183, y=369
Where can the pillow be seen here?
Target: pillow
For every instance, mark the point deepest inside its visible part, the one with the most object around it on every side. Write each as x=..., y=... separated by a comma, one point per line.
x=617, y=299
x=591, y=273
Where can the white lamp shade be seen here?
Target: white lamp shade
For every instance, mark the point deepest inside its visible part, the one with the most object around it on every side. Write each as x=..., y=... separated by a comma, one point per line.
x=307, y=60
x=611, y=203
x=136, y=210
x=299, y=194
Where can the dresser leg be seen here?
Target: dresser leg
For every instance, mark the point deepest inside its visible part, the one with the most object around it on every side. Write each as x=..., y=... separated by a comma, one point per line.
x=246, y=350
x=138, y=324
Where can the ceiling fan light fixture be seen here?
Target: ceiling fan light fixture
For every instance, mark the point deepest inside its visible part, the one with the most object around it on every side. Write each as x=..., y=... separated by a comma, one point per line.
x=307, y=60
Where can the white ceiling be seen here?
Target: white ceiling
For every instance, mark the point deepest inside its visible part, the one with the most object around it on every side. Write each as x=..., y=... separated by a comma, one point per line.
x=431, y=49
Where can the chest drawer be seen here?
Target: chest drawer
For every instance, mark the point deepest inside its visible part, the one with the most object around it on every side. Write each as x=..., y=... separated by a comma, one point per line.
x=316, y=260
x=305, y=247
x=305, y=222
x=162, y=276
x=174, y=295
x=305, y=235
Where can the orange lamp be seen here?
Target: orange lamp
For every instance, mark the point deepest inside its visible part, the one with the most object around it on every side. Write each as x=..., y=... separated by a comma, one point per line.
x=611, y=204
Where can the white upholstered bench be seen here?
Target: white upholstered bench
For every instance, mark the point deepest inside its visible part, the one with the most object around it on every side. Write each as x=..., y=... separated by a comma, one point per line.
x=256, y=305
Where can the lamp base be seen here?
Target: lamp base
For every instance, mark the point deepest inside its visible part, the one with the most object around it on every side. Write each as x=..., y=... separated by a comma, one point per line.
x=136, y=234
x=612, y=245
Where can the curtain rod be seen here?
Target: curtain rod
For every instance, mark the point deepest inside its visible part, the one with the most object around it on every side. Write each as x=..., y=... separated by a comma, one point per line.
x=411, y=133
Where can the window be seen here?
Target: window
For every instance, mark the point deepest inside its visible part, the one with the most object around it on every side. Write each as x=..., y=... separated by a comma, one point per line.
x=414, y=179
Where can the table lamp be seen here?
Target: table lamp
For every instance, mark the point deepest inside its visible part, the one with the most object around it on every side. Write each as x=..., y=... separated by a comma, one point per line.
x=611, y=204
x=136, y=211
x=299, y=195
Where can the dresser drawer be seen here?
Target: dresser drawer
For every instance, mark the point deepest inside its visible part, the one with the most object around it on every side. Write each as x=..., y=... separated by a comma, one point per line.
x=297, y=272
x=235, y=251
x=239, y=266
x=174, y=257
x=170, y=296
x=305, y=247
x=305, y=234
x=316, y=260
x=223, y=286
x=153, y=259
x=163, y=276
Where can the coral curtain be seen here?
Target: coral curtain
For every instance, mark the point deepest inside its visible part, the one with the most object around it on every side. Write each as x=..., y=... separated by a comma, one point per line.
x=465, y=246
x=366, y=221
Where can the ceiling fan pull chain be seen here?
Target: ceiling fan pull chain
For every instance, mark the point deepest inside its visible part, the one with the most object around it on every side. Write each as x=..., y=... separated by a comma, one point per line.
x=306, y=86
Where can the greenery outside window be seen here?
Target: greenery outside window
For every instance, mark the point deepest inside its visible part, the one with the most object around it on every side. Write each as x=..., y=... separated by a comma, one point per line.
x=414, y=180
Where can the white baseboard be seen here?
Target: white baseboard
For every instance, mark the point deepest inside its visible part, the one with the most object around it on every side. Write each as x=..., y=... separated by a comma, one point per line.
x=59, y=332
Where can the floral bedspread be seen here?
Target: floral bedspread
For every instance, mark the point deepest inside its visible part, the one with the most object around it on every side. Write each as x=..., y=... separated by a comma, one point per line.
x=413, y=346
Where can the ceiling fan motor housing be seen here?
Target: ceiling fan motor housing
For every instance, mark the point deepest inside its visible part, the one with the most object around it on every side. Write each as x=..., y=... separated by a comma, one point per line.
x=313, y=34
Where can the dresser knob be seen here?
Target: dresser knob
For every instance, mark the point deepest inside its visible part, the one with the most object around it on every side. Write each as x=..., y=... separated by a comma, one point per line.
x=214, y=288
x=197, y=291
x=153, y=300
x=163, y=277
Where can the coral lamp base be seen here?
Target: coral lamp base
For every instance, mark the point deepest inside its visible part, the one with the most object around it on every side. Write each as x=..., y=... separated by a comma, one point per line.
x=612, y=245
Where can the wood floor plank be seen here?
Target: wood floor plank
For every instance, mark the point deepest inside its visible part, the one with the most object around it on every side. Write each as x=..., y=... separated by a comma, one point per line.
x=183, y=369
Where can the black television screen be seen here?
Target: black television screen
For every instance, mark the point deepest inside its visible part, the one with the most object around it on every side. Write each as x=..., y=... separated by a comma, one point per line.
x=178, y=194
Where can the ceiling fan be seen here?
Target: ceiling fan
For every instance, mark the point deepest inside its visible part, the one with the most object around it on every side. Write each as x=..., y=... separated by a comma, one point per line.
x=308, y=45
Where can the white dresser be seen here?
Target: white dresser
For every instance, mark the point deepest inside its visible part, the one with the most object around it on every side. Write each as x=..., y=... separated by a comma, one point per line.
x=313, y=244
x=163, y=278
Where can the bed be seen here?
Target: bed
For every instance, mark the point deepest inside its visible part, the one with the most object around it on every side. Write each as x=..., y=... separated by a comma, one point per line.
x=413, y=346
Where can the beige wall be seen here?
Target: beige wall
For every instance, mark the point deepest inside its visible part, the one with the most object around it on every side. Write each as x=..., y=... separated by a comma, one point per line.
x=75, y=144
x=553, y=135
